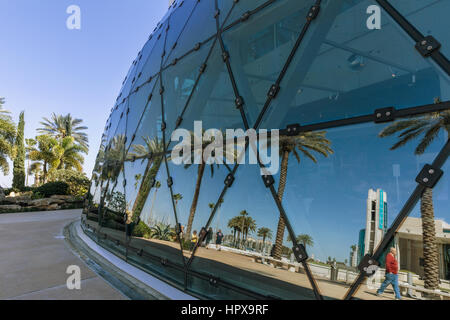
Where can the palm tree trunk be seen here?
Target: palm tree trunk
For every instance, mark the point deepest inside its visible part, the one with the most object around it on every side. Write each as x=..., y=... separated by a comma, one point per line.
x=430, y=250
x=45, y=171
x=281, y=223
x=201, y=170
x=150, y=216
x=142, y=186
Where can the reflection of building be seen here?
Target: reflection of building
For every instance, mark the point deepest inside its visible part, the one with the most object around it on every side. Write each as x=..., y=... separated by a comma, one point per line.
x=354, y=257
x=376, y=222
x=410, y=247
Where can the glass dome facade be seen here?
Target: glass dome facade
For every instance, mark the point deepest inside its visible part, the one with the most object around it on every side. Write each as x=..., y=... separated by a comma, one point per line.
x=363, y=114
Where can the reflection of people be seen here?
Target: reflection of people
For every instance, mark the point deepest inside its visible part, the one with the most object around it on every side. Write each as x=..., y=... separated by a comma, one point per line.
x=391, y=274
x=219, y=237
x=209, y=236
x=194, y=239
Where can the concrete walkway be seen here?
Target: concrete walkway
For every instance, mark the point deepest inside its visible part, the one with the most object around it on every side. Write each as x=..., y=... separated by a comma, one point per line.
x=34, y=258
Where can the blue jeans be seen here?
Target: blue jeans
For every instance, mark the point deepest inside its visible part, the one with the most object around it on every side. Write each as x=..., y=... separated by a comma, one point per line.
x=393, y=280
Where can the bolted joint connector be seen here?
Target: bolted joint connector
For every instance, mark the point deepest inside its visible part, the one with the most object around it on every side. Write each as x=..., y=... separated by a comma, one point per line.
x=118, y=242
x=368, y=265
x=140, y=252
x=300, y=252
x=214, y=281
x=124, y=183
x=429, y=176
x=268, y=180
x=132, y=139
x=179, y=120
x=202, y=68
x=273, y=91
x=174, y=61
x=163, y=126
x=245, y=16
x=229, y=180
x=216, y=14
x=161, y=90
x=197, y=46
x=313, y=13
x=150, y=96
x=178, y=228
x=164, y=261
x=152, y=182
x=225, y=56
x=239, y=102
x=293, y=129
x=384, y=115
x=427, y=46
x=170, y=182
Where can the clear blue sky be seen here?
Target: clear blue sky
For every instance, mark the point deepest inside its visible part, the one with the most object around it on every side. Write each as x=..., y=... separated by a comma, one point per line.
x=45, y=67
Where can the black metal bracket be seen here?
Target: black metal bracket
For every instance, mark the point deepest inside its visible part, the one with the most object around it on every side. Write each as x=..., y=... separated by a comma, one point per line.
x=202, y=235
x=140, y=252
x=170, y=182
x=300, y=252
x=229, y=180
x=268, y=180
x=239, y=102
x=245, y=16
x=273, y=91
x=427, y=46
x=429, y=176
x=225, y=56
x=214, y=281
x=164, y=261
x=368, y=265
x=293, y=129
x=163, y=126
x=202, y=68
x=179, y=120
x=178, y=228
x=384, y=115
x=313, y=13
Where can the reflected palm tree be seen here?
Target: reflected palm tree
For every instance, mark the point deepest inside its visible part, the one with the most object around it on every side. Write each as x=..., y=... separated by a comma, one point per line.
x=430, y=126
x=194, y=153
x=264, y=233
x=162, y=232
x=305, y=143
x=156, y=186
x=304, y=239
x=151, y=151
x=235, y=224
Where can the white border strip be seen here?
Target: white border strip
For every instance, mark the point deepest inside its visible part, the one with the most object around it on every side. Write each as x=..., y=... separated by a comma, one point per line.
x=158, y=285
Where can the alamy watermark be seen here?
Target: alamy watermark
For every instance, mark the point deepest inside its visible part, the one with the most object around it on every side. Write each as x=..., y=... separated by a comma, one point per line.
x=73, y=22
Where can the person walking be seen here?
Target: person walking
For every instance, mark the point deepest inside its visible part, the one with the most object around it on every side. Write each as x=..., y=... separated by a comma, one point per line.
x=209, y=236
x=194, y=239
x=391, y=274
x=219, y=237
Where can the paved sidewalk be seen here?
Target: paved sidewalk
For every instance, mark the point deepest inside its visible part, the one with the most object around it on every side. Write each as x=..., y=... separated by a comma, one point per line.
x=34, y=258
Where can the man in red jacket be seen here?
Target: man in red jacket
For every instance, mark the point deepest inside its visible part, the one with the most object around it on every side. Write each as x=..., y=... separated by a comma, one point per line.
x=391, y=274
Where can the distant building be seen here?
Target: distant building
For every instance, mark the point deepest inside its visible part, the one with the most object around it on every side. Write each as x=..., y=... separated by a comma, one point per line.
x=354, y=257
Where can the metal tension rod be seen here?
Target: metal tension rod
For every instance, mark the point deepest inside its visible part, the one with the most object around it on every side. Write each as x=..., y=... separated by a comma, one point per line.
x=427, y=46
x=379, y=116
x=439, y=161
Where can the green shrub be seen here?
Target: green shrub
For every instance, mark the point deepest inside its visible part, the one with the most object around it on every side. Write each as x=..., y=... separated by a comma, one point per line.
x=53, y=188
x=77, y=181
x=141, y=230
x=37, y=195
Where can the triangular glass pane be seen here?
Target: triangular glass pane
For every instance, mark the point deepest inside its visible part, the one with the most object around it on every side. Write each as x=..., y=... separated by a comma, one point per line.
x=177, y=22
x=259, y=50
x=213, y=102
x=342, y=69
x=195, y=32
x=152, y=230
x=195, y=187
x=430, y=17
x=151, y=59
x=140, y=102
x=239, y=9
x=243, y=260
x=362, y=185
x=178, y=83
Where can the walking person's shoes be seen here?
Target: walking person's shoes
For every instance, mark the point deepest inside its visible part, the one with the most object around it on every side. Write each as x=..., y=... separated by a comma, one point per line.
x=378, y=294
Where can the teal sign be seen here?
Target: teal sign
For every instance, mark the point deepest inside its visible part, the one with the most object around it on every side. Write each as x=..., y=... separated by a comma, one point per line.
x=381, y=214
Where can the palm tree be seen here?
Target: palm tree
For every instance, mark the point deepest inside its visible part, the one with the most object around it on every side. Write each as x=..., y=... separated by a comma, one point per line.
x=194, y=153
x=249, y=226
x=305, y=143
x=235, y=224
x=35, y=169
x=69, y=154
x=156, y=186
x=430, y=126
x=7, y=137
x=264, y=233
x=304, y=239
x=153, y=152
x=242, y=217
x=44, y=149
x=177, y=197
x=60, y=126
